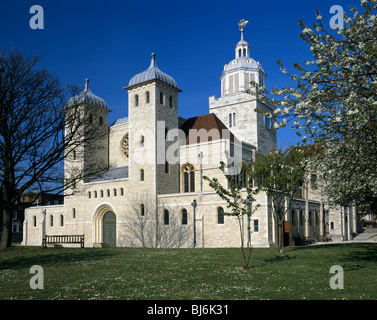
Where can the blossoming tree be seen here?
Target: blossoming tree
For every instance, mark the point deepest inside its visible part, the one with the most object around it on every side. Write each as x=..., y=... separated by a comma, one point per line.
x=333, y=102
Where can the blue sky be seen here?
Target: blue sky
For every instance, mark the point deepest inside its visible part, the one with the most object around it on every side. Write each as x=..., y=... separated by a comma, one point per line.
x=111, y=41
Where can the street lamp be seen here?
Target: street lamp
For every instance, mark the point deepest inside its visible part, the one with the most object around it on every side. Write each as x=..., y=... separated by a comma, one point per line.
x=194, y=224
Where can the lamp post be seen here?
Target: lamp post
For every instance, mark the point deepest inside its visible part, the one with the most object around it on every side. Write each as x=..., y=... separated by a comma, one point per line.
x=194, y=222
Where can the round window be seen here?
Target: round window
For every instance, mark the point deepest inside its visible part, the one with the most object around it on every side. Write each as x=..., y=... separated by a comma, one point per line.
x=267, y=122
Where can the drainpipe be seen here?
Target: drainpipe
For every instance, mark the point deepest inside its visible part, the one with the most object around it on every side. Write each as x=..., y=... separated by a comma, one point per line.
x=43, y=225
x=200, y=155
x=194, y=223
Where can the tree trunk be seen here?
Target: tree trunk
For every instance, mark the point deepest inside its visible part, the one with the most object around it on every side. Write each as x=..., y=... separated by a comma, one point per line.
x=6, y=238
x=280, y=231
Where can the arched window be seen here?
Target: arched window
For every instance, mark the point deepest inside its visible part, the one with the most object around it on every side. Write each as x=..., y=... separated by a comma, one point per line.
x=141, y=174
x=166, y=217
x=239, y=52
x=192, y=181
x=101, y=193
x=147, y=97
x=188, y=173
x=171, y=102
x=121, y=191
x=74, y=213
x=184, y=216
x=51, y=220
x=34, y=221
x=115, y=192
x=142, y=210
x=230, y=120
x=108, y=192
x=161, y=98
x=89, y=195
x=74, y=155
x=136, y=101
x=61, y=220
x=313, y=180
x=234, y=119
x=101, y=121
x=167, y=167
x=220, y=215
x=95, y=194
x=142, y=141
x=90, y=118
x=244, y=52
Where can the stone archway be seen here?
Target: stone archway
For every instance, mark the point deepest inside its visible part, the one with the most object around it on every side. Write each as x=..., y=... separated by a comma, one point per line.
x=104, y=226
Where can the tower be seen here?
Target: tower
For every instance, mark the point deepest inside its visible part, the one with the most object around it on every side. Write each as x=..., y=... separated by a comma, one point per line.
x=152, y=113
x=236, y=107
x=86, y=133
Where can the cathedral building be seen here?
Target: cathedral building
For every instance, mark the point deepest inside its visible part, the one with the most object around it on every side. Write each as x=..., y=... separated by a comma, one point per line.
x=150, y=191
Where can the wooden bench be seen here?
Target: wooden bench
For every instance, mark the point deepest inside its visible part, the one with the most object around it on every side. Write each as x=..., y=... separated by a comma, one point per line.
x=63, y=239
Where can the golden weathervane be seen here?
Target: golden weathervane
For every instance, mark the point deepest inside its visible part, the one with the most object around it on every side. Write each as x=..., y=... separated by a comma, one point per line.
x=242, y=24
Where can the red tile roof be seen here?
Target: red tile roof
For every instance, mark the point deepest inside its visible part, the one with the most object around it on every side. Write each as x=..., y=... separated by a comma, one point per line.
x=214, y=129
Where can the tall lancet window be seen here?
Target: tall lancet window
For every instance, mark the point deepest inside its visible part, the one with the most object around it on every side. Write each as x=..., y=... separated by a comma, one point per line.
x=188, y=178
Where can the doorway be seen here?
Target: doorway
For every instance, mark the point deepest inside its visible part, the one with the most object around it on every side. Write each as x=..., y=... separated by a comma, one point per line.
x=109, y=229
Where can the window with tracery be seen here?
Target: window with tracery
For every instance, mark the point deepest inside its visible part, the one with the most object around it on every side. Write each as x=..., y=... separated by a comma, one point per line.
x=125, y=145
x=188, y=178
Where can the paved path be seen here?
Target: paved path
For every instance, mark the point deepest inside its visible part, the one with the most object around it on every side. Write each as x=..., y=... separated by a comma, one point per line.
x=365, y=237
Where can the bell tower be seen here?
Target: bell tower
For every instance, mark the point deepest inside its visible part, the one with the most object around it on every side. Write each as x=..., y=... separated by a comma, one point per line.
x=152, y=113
x=236, y=106
x=87, y=132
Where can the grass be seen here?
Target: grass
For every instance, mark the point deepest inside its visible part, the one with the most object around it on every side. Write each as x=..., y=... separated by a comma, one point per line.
x=130, y=273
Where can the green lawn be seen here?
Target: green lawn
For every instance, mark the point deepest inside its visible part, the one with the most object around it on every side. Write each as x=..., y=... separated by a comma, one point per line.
x=128, y=273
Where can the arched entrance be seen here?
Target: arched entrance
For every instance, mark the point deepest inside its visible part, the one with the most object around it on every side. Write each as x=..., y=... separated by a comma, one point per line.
x=104, y=225
x=109, y=228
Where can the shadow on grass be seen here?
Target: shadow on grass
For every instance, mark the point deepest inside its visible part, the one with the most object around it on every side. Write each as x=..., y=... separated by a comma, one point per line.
x=279, y=258
x=368, y=255
x=349, y=252
x=50, y=257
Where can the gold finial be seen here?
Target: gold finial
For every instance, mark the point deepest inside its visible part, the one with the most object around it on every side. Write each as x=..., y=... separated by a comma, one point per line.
x=242, y=24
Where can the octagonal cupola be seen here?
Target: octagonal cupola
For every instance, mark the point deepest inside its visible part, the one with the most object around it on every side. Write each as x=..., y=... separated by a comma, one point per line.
x=87, y=97
x=153, y=72
x=242, y=70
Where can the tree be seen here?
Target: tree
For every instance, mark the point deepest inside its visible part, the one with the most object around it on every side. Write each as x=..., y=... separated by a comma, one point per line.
x=35, y=135
x=239, y=203
x=279, y=174
x=333, y=102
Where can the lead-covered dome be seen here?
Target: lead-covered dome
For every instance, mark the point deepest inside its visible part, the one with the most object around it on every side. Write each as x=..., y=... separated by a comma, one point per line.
x=153, y=72
x=242, y=63
x=87, y=97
